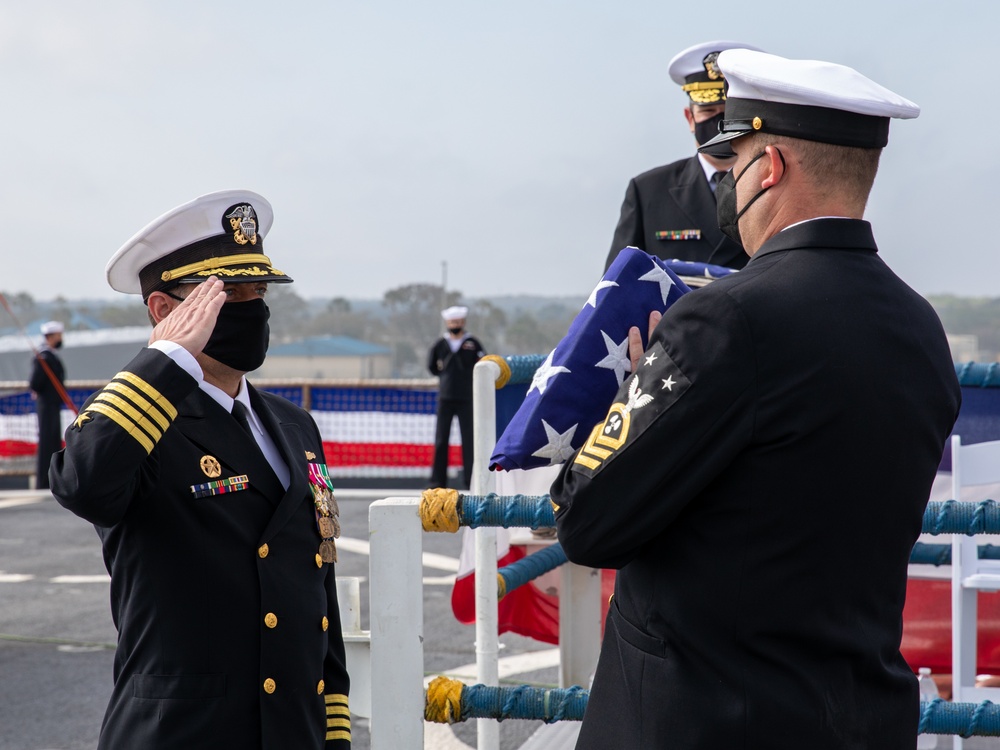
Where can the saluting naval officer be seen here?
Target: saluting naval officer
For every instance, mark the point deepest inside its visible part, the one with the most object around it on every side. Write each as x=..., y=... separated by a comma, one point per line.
x=669, y=211
x=213, y=503
x=761, y=477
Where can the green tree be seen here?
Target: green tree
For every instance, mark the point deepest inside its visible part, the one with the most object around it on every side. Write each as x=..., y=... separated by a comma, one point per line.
x=414, y=320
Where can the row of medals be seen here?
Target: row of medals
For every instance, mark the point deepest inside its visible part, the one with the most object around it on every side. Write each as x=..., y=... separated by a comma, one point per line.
x=327, y=512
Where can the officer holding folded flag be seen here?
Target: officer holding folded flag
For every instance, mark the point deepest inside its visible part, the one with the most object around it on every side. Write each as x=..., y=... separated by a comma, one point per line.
x=760, y=479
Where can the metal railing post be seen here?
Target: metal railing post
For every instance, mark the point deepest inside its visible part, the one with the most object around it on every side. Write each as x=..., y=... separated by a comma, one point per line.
x=484, y=377
x=396, y=614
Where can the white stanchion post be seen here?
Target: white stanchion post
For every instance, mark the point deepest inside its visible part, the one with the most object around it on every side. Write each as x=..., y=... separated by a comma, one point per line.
x=396, y=615
x=579, y=624
x=357, y=645
x=484, y=411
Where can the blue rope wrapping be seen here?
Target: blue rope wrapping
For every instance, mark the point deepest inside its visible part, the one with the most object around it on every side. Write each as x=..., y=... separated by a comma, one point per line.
x=978, y=374
x=964, y=719
x=940, y=554
x=523, y=366
x=568, y=704
x=523, y=702
x=530, y=567
x=532, y=511
x=952, y=517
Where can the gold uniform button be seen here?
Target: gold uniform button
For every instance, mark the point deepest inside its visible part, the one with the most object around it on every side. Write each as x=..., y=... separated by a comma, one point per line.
x=319, y=687
x=319, y=561
x=269, y=686
x=326, y=623
x=271, y=620
x=262, y=550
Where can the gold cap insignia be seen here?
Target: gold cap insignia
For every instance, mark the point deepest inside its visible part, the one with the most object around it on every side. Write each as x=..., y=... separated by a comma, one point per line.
x=243, y=221
x=712, y=67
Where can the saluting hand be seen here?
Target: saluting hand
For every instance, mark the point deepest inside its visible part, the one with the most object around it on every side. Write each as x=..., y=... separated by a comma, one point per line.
x=635, y=338
x=191, y=323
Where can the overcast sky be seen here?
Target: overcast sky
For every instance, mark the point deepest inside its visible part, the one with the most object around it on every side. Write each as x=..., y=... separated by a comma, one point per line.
x=393, y=136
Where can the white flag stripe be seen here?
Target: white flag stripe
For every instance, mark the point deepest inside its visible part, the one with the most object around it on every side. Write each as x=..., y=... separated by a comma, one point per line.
x=380, y=427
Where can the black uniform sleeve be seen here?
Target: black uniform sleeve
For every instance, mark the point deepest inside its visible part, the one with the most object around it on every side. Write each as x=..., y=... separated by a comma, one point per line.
x=675, y=425
x=109, y=444
x=40, y=381
x=629, y=232
x=434, y=361
x=335, y=677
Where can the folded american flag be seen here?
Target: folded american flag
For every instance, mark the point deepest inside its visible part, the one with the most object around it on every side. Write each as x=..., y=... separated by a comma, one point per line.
x=573, y=388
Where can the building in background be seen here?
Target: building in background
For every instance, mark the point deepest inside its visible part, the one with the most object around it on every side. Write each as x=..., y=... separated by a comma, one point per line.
x=327, y=357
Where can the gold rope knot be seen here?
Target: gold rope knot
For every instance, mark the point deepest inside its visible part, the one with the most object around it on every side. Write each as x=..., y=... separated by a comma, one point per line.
x=444, y=701
x=504, y=369
x=501, y=587
x=439, y=510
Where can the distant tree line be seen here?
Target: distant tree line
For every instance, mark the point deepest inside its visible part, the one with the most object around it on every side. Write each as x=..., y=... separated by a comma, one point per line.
x=407, y=319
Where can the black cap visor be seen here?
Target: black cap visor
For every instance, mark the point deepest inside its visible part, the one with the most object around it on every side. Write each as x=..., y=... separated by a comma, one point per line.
x=729, y=130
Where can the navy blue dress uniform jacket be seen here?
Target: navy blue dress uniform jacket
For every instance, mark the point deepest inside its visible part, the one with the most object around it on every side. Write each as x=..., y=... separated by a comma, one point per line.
x=759, y=483
x=675, y=201
x=49, y=404
x=454, y=368
x=228, y=626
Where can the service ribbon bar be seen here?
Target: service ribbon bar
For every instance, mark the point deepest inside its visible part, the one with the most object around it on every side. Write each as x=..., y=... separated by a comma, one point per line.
x=679, y=234
x=221, y=486
x=319, y=476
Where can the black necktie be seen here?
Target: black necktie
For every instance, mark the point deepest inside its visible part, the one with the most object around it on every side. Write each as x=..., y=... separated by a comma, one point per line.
x=240, y=412
x=714, y=182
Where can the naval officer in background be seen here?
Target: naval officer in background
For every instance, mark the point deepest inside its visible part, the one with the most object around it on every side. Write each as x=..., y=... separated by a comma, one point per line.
x=46, y=383
x=452, y=359
x=761, y=477
x=669, y=211
x=213, y=504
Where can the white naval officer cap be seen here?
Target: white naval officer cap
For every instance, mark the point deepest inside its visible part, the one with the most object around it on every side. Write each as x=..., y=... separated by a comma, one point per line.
x=220, y=234
x=696, y=72
x=53, y=326
x=455, y=312
x=807, y=99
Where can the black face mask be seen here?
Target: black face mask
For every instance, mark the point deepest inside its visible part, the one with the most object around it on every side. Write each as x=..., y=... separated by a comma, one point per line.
x=707, y=129
x=241, y=335
x=57, y=345
x=725, y=198
x=456, y=331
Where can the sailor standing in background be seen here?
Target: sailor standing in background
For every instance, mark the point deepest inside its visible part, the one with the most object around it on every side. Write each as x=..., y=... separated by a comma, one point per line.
x=669, y=211
x=452, y=358
x=213, y=503
x=47, y=378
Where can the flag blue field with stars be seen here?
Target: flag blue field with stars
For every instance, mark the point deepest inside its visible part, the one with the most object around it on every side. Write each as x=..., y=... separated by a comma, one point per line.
x=573, y=388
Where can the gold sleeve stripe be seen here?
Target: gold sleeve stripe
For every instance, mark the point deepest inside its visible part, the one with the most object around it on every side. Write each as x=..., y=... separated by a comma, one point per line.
x=336, y=698
x=340, y=734
x=137, y=399
x=130, y=411
x=332, y=710
x=585, y=461
x=149, y=391
x=342, y=723
x=116, y=416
